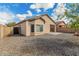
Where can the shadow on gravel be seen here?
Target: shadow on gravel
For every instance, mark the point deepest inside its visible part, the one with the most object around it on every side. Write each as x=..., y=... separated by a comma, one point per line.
x=51, y=47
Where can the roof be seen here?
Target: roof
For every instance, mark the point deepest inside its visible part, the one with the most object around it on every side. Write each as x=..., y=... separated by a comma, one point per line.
x=37, y=17
x=59, y=22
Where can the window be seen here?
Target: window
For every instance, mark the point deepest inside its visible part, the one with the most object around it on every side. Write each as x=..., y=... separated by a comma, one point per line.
x=32, y=27
x=39, y=28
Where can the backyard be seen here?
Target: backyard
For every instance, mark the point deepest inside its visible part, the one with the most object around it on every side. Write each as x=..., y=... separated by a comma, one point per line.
x=52, y=44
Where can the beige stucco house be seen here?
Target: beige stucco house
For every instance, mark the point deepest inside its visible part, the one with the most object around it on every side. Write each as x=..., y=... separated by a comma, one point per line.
x=61, y=24
x=35, y=26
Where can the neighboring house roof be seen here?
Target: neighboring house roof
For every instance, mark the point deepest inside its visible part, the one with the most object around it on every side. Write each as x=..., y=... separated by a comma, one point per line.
x=37, y=17
x=59, y=22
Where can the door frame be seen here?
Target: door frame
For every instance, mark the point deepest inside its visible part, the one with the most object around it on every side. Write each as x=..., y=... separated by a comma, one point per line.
x=32, y=27
x=19, y=30
x=52, y=28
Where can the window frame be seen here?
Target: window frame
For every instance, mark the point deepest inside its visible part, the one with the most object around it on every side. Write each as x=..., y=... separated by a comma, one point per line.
x=40, y=26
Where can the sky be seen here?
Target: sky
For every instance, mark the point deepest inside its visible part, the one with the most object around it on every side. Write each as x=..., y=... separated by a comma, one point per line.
x=16, y=12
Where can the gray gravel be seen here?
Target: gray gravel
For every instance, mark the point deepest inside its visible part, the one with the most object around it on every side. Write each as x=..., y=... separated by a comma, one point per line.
x=44, y=45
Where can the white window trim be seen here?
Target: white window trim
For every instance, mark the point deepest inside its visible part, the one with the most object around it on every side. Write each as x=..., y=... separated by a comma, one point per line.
x=39, y=24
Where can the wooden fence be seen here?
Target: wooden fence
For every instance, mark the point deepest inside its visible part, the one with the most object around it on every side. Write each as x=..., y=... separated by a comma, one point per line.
x=66, y=30
x=5, y=31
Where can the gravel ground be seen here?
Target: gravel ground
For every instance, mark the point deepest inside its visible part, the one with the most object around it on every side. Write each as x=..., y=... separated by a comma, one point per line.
x=44, y=45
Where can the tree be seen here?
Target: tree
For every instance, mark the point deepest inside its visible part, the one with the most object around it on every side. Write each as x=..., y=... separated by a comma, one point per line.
x=11, y=24
x=72, y=12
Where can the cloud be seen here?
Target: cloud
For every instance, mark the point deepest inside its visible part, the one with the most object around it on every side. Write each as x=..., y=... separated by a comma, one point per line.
x=49, y=5
x=33, y=6
x=23, y=16
x=53, y=18
x=6, y=15
x=60, y=9
x=29, y=13
x=38, y=10
x=41, y=5
x=2, y=21
x=46, y=6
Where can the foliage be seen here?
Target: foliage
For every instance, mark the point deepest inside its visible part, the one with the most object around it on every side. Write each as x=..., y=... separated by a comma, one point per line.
x=11, y=24
x=72, y=13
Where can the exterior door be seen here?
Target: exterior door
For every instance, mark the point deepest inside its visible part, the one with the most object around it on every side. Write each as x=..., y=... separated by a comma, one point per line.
x=32, y=29
x=17, y=30
x=52, y=28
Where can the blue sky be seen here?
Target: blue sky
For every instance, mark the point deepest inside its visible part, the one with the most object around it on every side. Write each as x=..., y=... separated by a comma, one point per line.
x=10, y=12
x=23, y=7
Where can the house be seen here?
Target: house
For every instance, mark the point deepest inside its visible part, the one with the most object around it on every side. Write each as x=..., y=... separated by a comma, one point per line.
x=61, y=24
x=35, y=26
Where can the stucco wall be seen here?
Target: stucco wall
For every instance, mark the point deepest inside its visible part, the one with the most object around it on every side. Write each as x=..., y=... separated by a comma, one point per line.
x=23, y=27
x=62, y=25
x=5, y=31
x=48, y=22
x=46, y=25
x=39, y=22
x=28, y=29
x=1, y=31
